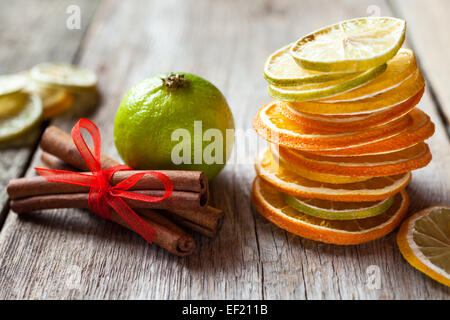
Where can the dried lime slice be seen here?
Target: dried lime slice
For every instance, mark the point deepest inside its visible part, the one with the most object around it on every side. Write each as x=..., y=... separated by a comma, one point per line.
x=12, y=84
x=351, y=45
x=424, y=241
x=11, y=127
x=11, y=104
x=325, y=89
x=281, y=69
x=63, y=76
x=334, y=210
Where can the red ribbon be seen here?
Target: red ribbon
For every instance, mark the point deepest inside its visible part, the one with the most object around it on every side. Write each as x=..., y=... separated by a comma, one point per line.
x=102, y=195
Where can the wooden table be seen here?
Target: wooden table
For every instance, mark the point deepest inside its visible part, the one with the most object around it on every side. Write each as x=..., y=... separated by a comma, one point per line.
x=68, y=254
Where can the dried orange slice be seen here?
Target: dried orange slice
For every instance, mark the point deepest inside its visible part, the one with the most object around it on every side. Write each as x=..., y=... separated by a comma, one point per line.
x=349, y=123
x=269, y=203
x=384, y=100
x=398, y=70
x=379, y=165
x=313, y=175
x=273, y=126
x=289, y=182
x=54, y=100
x=424, y=241
x=421, y=130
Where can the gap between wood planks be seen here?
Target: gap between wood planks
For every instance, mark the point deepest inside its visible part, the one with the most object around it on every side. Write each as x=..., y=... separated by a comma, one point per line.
x=33, y=149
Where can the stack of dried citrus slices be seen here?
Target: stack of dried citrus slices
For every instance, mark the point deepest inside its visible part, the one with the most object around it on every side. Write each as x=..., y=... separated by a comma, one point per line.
x=344, y=132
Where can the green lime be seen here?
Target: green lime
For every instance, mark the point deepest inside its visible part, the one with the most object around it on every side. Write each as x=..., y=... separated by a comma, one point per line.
x=174, y=121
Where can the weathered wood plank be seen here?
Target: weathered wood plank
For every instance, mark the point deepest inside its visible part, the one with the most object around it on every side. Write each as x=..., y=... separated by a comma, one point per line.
x=71, y=254
x=32, y=32
x=428, y=26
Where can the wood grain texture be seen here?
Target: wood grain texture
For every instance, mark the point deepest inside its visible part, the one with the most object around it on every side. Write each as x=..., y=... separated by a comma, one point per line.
x=31, y=32
x=428, y=26
x=68, y=254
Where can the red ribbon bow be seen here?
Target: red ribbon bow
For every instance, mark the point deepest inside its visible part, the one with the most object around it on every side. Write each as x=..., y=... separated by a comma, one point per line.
x=102, y=195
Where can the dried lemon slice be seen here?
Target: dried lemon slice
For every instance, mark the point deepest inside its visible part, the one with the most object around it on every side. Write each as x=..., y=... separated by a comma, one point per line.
x=336, y=210
x=424, y=241
x=63, y=76
x=325, y=89
x=281, y=69
x=11, y=127
x=11, y=104
x=351, y=45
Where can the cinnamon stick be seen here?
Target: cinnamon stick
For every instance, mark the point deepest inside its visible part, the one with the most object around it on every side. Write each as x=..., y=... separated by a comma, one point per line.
x=190, y=200
x=182, y=181
x=60, y=151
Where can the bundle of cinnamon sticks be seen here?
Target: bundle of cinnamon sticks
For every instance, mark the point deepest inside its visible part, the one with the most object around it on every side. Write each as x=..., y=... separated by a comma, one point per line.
x=186, y=207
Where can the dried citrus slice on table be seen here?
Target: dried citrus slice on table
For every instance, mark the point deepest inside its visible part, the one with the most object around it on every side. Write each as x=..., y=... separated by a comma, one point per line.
x=269, y=203
x=424, y=241
x=281, y=69
x=325, y=89
x=54, y=101
x=273, y=126
x=63, y=76
x=351, y=45
x=386, y=164
x=384, y=100
x=13, y=83
x=290, y=182
x=421, y=129
x=29, y=115
x=349, y=123
x=337, y=210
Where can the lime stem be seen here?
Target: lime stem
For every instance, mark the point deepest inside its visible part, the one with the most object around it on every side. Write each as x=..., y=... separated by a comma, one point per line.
x=174, y=81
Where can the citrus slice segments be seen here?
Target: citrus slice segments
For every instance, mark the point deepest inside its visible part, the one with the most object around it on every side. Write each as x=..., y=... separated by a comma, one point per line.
x=349, y=123
x=409, y=159
x=28, y=116
x=12, y=83
x=351, y=45
x=281, y=69
x=421, y=129
x=385, y=100
x=289, y=182
x=274, y=127
x=63, y=76
x=313, y=175
x=398, y=70
x=270, y=204
x=424, y=241
x=336, y=210
x=325, y=89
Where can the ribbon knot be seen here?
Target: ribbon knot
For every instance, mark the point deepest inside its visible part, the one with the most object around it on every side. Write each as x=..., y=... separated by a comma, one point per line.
x=102, y=195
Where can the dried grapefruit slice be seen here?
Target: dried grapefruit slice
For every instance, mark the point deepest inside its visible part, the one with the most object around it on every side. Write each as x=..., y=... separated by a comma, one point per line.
x=412, y=158
x=337, y=210
x=276, y=128
x=351, y=45
x=281, y=69
x=289, y=182
x=424, y=241
x=349, y=123
x=385, y=100
x=421, y=130
x=270, y=203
